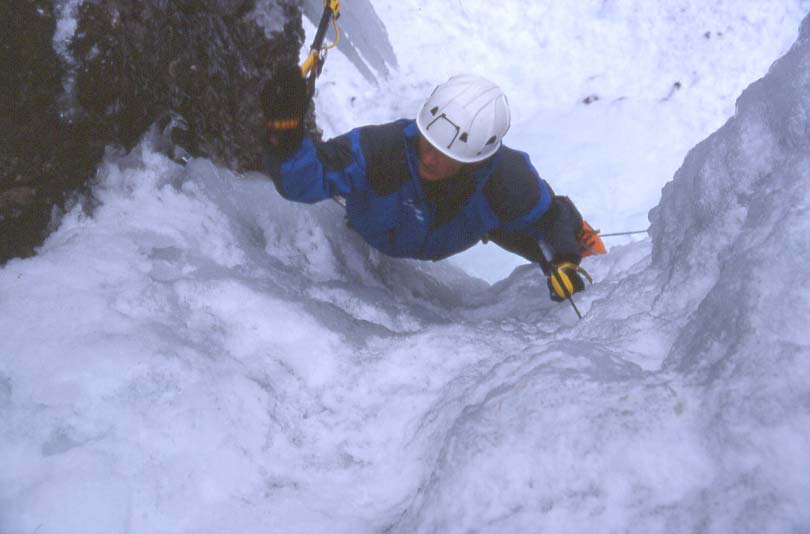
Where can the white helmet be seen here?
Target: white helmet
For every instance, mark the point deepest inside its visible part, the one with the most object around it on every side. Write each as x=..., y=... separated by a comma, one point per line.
x=465, y=118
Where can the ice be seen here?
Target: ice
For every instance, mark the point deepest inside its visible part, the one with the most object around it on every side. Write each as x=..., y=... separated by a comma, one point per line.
x=197, y=355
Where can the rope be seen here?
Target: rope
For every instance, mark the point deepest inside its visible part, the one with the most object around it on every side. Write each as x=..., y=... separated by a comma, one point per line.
x=623, y=233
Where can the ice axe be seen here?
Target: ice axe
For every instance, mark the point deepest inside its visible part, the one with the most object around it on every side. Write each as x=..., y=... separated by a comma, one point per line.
x=560, y=283
x=312, y=65
x=590, y=242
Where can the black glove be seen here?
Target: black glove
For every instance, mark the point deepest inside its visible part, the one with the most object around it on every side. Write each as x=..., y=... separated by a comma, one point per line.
x=564, y=281
x=561, y=224
x=284, y=102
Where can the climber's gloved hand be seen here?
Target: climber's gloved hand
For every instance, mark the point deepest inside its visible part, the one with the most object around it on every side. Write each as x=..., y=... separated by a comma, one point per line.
x=284, y=102
x=564, y=280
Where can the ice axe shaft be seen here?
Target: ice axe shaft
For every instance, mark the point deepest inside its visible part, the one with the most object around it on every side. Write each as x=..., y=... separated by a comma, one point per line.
x=575, y=307
x=556, y=274
x=329, y=11
x=570, y=299
x=311, y=67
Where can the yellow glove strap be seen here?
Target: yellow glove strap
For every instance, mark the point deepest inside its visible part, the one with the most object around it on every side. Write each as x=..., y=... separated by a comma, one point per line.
x=562, y=285
x=560, y=281
x=283, y=124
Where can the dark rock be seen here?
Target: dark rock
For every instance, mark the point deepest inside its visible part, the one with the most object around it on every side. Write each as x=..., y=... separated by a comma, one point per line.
x=194, y=67
x=36, y=149
x=15, y=200
x=204, y=61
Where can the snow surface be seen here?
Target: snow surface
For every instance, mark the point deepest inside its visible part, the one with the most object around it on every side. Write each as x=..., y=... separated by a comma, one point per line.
x=201, y=356
x=612, y=156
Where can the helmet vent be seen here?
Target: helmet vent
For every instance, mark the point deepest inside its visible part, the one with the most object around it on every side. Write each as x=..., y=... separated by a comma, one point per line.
x=492, y=140
x=434, y=110
x=463, y=137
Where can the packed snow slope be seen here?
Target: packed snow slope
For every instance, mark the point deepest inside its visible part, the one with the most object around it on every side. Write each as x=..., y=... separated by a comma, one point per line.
x=200, y=356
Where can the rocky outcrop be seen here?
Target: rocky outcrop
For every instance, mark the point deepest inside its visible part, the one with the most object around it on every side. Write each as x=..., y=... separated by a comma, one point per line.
x=194, y=67
x=40, y=156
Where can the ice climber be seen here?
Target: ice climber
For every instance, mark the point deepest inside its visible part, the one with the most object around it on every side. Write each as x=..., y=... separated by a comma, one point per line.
x=426, y=188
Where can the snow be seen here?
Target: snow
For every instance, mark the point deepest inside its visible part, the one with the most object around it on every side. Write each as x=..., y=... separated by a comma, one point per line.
x=611, y=157
x=200, y=356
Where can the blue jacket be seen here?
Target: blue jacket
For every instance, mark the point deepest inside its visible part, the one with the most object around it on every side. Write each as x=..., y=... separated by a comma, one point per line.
x=375, y=168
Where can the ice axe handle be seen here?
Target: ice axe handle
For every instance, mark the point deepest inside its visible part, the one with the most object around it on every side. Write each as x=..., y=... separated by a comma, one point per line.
x=330, y=9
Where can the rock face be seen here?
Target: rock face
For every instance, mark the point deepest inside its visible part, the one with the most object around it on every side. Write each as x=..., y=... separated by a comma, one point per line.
x=38, y=157
x=194, y=67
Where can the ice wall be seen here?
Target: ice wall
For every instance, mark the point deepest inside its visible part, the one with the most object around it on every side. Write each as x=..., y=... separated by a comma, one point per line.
x=582, y=428
x=732, y=239
x=732, y=228
x=733, y=231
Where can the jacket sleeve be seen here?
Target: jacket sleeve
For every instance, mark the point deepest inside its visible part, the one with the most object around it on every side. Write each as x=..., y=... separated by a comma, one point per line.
x=531, y=214
x=317, y=171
